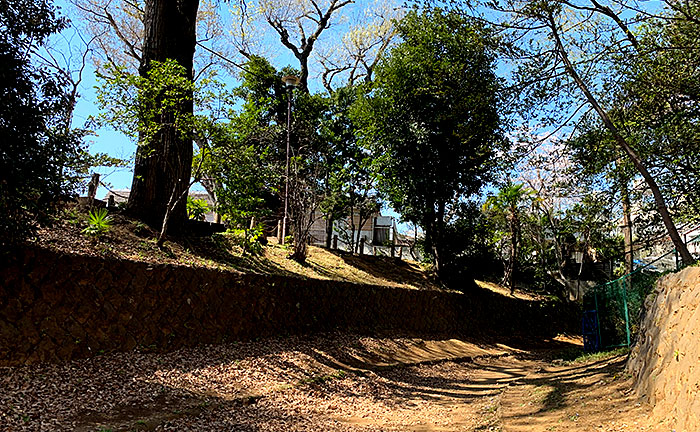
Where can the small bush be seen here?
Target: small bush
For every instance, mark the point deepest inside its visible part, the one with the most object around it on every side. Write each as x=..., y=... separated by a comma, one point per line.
x=99, y=222
x=251, y=240
x=197, y=209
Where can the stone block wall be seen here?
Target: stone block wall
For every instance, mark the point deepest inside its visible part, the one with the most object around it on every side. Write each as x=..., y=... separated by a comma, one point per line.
x=56, y=307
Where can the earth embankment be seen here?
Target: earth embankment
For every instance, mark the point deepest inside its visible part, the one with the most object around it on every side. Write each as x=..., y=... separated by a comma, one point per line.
x=666, y=361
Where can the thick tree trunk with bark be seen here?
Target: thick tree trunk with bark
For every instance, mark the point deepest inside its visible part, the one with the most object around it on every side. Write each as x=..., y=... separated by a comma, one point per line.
x=163, y=166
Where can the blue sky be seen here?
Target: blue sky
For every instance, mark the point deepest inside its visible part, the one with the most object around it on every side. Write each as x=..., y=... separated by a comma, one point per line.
x=116, y=144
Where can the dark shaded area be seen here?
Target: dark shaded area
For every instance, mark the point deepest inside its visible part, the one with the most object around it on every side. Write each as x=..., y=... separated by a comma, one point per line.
x=620, y=307
x=394, y=269
x=56, y=307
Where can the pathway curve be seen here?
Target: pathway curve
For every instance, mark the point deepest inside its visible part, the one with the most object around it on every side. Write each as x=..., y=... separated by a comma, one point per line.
x=334, y=382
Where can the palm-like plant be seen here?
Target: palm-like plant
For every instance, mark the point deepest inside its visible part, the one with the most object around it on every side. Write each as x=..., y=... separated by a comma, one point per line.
x=99, y=222
x=508, y=203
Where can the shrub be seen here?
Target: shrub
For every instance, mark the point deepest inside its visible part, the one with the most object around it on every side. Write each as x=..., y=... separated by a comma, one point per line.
x=99, y=222
x=197, y=209
x=251, y=240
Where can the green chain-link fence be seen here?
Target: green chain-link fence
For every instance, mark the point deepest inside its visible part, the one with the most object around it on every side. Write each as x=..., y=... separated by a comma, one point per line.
x=613, y=310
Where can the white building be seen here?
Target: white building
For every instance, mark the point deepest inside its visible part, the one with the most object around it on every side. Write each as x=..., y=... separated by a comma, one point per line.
x=378, y=232
x=121, y=196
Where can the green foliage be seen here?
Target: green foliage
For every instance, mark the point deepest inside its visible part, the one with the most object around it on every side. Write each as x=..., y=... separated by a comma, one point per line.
x=143, y=107
x=507, y=211
x=245, y=177
x=469, y=253
x=99, y=223
x=432, y=119
x=156, y=109
x=39, y=151
x=657, y=101
x=593, y=223
x=244, y=158
x=349, y=180
x=197, y=208
x=250, y=240
x=248, y=154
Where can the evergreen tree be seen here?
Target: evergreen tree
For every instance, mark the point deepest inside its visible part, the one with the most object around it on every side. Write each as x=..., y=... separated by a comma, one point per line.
x=37, y=151
x=432, y=120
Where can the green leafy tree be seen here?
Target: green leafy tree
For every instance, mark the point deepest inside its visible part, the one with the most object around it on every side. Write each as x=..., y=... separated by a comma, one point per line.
x=349, y=181
x=163, y=163
x=38, y=154
x=246, y=177
x=432, y=120
x=469, y=250
x=509, y=208
x=563, y=53
x=248, y=153
x=655, y=103
x=146, y=107
x=657, y=100
x=308, y=167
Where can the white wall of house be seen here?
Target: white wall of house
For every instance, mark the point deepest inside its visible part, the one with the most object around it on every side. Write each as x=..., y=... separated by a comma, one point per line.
x=342, y=229
x=122, y=196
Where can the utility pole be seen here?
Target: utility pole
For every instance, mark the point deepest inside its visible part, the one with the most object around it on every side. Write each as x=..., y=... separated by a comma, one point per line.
x=290, y=82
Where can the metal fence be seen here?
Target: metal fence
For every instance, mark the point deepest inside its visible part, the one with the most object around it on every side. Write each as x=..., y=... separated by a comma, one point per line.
x=613, y=310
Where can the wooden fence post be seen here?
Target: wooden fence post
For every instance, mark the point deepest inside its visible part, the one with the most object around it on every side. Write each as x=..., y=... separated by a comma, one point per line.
x=92, y=189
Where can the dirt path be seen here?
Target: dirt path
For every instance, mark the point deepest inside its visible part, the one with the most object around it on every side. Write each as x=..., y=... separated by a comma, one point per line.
x=334, y=382
x=591, y=396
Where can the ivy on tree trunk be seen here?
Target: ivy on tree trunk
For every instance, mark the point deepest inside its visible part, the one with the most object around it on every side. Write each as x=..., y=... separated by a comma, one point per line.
x=163, y=164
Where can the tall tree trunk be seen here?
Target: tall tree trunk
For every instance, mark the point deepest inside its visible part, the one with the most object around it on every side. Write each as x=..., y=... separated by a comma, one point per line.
x=163, y=166
x=624, y=145
x=627, y=229
x=329, y=231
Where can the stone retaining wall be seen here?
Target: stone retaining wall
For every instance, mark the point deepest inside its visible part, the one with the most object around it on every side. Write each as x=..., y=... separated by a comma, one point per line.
x=56, y=307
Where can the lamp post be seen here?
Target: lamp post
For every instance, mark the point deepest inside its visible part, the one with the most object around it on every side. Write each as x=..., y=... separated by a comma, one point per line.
x=290, y=81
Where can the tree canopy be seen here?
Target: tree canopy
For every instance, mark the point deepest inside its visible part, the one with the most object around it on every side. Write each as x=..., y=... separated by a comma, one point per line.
x=39, y=153
x=432, y=119
x=591, y=106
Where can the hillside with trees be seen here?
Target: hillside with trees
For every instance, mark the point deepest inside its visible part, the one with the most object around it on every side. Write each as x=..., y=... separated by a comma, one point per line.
x=549, y=150
x=580, y=116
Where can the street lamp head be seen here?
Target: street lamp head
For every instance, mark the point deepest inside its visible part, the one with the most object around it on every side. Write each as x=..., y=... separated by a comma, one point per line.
x=290, y=81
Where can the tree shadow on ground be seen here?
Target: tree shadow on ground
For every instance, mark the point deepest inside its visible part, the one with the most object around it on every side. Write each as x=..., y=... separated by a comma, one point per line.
x=316, y=370
x=393, y=269
x=220, y=250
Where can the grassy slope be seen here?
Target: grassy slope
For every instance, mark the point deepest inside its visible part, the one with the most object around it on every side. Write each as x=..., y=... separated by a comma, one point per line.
x=131, y=240
x=128, y=239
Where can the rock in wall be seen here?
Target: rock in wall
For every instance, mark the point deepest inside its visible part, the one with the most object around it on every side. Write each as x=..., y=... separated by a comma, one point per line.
x=56, y=307
x=666, y=360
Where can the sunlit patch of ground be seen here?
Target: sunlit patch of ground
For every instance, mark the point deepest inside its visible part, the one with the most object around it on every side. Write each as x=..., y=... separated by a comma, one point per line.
x=333, y=382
